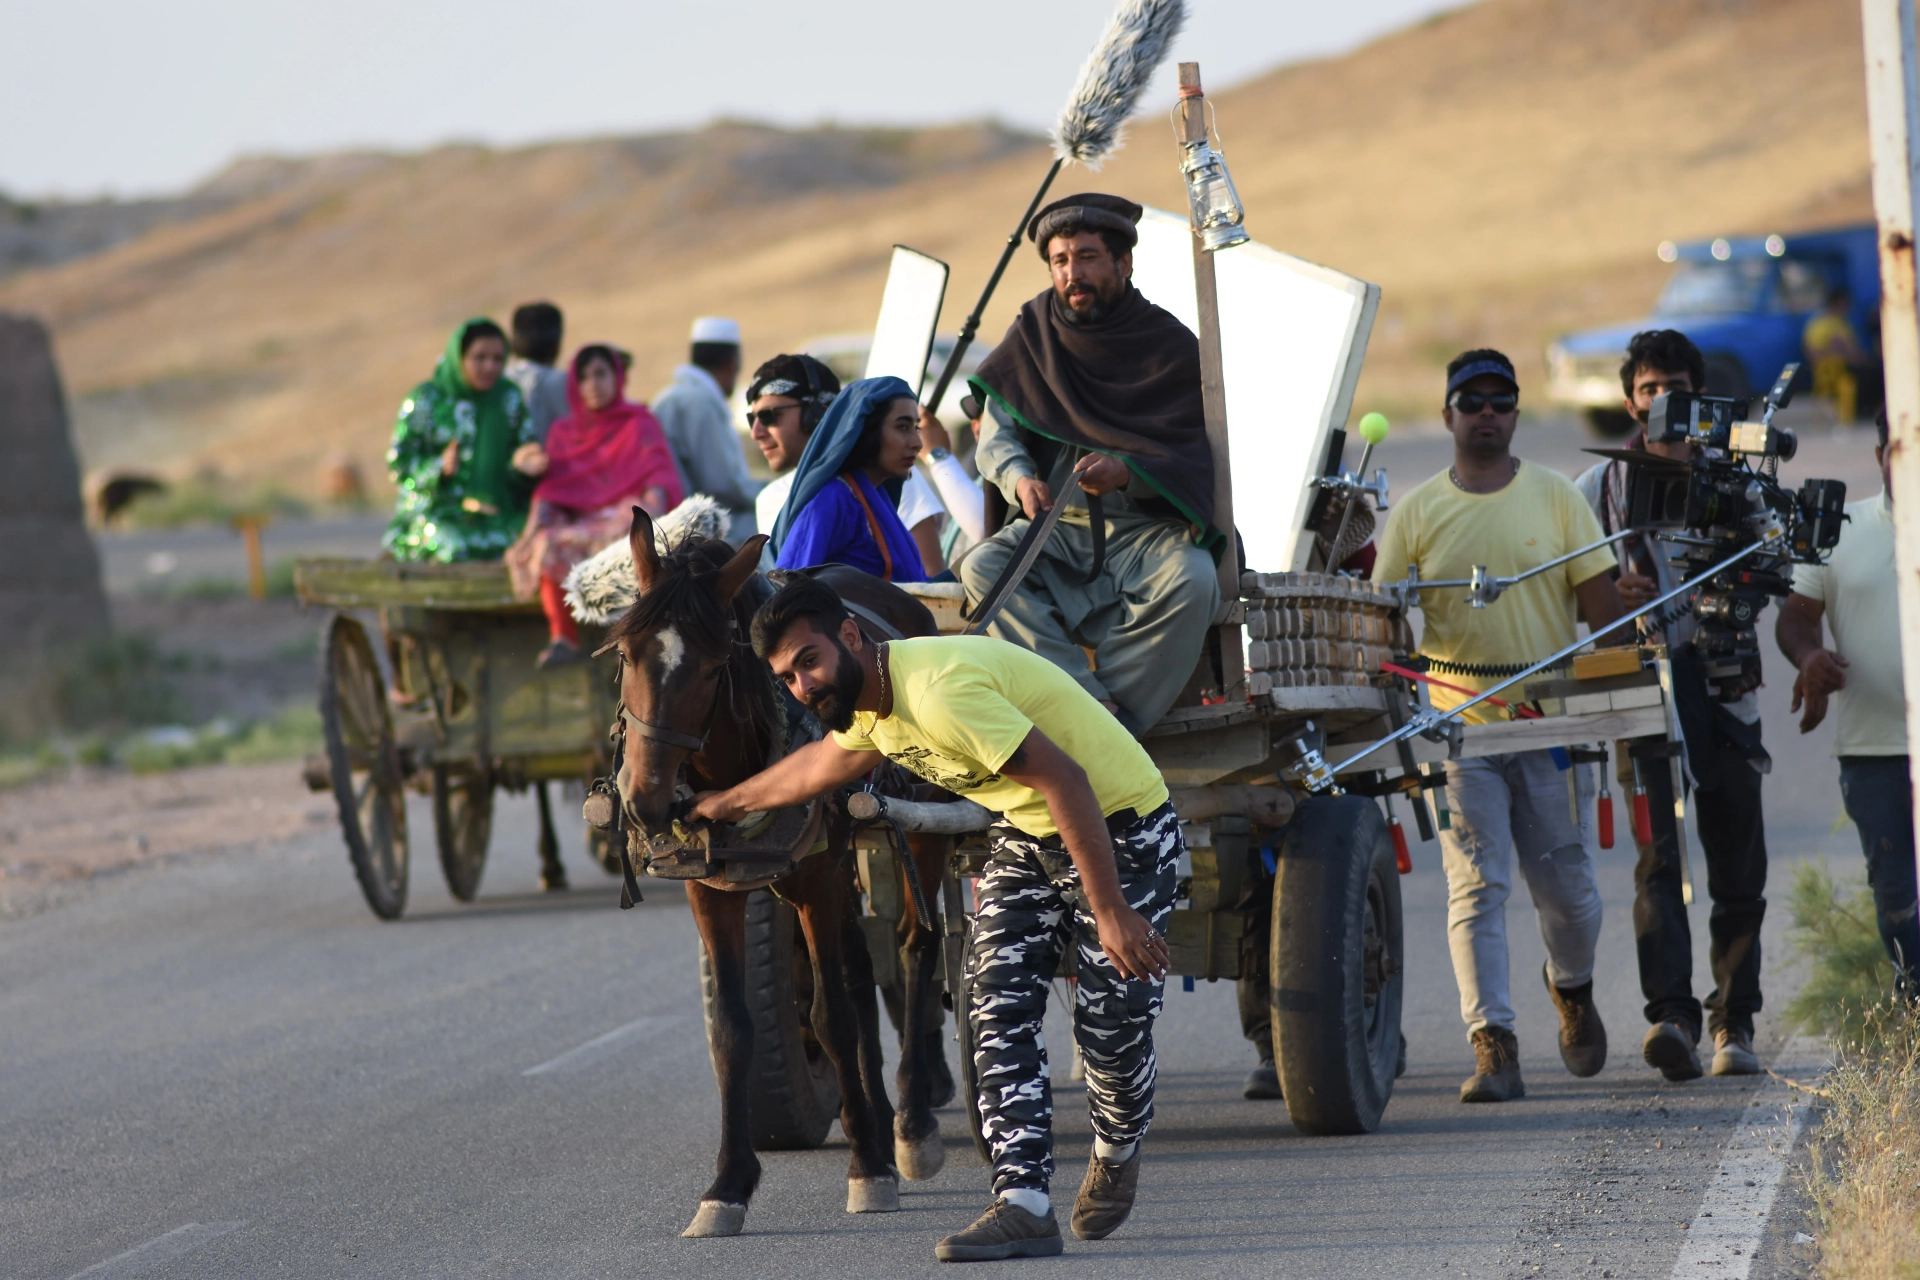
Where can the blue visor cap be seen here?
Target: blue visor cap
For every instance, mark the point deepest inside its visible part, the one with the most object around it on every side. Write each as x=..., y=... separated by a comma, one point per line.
x=1477, y=369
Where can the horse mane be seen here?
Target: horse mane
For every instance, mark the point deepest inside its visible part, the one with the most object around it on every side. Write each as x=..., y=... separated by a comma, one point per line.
x=682, y=596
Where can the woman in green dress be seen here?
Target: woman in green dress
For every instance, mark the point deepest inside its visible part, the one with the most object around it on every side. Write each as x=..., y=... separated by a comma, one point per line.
x=463, y=455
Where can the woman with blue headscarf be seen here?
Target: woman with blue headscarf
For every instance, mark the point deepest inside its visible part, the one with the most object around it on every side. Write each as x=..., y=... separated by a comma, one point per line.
x=843, y=507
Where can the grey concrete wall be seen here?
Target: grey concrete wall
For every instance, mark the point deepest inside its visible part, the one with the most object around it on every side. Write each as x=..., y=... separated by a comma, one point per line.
x=50, y=592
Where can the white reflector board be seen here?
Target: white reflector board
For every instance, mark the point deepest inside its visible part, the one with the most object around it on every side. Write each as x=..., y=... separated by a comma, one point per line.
x=1292, y=339
x=909, y=310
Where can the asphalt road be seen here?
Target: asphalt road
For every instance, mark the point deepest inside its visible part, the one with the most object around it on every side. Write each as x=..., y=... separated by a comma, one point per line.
x=225, y=1066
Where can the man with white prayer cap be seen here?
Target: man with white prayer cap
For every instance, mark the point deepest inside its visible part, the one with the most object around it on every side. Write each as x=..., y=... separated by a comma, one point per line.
x=693, y=412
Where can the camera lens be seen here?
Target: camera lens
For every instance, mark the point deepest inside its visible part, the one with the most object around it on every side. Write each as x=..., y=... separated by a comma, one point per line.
x=1785, y=443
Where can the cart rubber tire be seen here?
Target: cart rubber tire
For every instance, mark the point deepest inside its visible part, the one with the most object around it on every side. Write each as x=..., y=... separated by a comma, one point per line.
x=1337, y=966
x=462, y=827
x=369, y=786
x=969, y=1076
x=793, y=1095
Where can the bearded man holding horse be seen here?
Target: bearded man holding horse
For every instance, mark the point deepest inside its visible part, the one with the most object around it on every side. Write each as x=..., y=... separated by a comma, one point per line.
x=1084, y=848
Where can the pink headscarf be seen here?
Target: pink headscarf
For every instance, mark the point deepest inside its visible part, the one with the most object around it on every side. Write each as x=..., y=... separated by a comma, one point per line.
x=598, y=457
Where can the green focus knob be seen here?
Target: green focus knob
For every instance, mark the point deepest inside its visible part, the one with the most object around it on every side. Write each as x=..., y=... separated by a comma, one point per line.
x=1373, y=428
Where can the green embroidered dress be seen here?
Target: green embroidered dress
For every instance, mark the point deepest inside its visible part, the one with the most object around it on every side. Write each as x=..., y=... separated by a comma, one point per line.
x=477, y=511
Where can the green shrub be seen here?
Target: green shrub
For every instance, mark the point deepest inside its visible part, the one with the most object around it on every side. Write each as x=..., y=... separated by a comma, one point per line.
x=290, y=735
x=1850, y=974
x=208, y=500
x=120, y=681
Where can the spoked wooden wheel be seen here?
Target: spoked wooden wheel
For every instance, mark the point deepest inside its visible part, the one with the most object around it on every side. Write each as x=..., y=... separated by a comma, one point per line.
x=368, y=783
x=462, y=826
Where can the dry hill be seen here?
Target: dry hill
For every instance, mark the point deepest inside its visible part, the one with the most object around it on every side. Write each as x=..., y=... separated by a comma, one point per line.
x=1502, y=171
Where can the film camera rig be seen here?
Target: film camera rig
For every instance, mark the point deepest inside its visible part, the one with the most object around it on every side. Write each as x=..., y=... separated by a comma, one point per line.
x=1740, y=530
x=1727, y=496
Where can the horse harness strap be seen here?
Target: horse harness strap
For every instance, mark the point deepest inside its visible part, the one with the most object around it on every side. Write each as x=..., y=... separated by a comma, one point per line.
x=672, y=737
x=874, y=620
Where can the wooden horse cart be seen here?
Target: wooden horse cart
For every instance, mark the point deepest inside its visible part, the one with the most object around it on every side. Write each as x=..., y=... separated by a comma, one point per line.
x=473, y=714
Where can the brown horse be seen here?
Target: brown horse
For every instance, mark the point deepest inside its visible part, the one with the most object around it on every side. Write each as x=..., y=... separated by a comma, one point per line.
x=700, y=710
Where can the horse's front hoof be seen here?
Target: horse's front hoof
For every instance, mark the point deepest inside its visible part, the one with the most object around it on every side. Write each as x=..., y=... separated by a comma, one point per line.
x=869, y=1195
x=717, y=1218
x=920, y=1158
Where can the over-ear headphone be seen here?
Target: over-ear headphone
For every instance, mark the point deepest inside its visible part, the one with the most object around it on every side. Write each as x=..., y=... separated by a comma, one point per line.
x=812, y=406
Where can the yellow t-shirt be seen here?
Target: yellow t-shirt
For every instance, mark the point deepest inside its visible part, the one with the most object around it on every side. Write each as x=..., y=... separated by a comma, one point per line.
x=1537, y=517
x=961, y=704
x=1823, y=331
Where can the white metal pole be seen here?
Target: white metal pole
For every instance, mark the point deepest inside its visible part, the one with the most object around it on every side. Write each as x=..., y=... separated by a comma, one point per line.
x=1893, y=129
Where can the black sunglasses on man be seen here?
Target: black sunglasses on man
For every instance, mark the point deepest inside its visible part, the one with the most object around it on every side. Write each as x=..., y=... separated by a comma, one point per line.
x=1473, y=401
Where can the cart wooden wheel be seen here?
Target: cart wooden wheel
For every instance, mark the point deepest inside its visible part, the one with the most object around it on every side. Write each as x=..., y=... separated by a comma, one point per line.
x=793, y=1093
x=368, y=781
x=1337, y=966
x=462, y=826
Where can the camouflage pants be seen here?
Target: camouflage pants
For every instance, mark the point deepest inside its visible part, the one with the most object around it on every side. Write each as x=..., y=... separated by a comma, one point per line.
x=1030, y=902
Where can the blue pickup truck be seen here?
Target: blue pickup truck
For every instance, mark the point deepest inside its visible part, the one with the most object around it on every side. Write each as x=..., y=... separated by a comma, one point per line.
x=1744, y=302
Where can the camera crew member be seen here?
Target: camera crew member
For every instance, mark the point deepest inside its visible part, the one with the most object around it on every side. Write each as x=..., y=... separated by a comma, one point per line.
x=1725, y=762
x=1490, y=509
x=1863, y=672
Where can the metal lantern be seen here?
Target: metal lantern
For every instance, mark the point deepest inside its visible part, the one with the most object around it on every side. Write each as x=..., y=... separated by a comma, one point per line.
x=1217, y=213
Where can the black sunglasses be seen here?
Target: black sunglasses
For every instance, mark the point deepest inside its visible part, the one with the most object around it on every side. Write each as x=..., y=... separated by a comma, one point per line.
x=1474, y=402
x=768, y=417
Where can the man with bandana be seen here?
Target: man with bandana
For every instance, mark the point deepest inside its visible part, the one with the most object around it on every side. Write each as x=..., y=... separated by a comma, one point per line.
x=1085, y=846
x=1094, y=393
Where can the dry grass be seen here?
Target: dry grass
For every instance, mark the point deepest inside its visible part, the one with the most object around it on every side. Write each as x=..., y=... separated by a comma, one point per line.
x=1865, y=1181
x=1866, y=1178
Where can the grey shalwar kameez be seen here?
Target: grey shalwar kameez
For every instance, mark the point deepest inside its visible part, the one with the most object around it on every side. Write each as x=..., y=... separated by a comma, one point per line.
x=1146, y=615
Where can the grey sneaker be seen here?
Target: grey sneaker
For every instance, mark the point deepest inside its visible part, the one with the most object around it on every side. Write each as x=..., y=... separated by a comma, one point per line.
x=1106, y=1196
x=1733, y=1053
x=1003, y=1231
x=1263, y=1082
x=1669, y=1048
x=1496, y=1068
x=1583, y=1037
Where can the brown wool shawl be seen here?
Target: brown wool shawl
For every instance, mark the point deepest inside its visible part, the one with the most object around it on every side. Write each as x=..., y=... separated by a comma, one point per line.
x=1127, y=385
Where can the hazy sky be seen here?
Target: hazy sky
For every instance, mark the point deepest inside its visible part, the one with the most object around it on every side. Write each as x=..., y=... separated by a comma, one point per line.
x=136, y=96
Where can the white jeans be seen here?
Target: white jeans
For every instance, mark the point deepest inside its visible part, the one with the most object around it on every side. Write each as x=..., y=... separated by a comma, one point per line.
x=1502, y=805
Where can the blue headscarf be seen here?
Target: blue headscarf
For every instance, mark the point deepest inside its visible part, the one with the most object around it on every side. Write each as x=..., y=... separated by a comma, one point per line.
x=832, y=443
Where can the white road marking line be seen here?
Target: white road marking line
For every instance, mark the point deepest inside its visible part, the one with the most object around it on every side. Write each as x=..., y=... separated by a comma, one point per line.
x=177, y=1243
x=1733, y=1216
x=599, y=1046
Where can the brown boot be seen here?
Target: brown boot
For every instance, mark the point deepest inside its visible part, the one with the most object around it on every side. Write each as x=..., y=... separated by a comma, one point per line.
x=1583, y=1037
x=1496, y=1068
x=1106, y=1196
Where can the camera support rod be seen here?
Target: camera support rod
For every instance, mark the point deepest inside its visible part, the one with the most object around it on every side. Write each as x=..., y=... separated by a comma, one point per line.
x=1312, y=772
x=1485, y=588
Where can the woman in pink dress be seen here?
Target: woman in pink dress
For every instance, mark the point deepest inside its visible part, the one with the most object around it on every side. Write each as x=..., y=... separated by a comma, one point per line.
x=603, y=459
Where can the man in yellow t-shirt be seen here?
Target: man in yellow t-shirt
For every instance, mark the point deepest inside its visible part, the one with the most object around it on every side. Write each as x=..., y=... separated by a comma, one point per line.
x=1085, y=848
x=1489, y=509
x=1833, y=349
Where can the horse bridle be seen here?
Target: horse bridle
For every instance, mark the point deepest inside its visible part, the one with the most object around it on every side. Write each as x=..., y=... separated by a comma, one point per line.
x=672, y=737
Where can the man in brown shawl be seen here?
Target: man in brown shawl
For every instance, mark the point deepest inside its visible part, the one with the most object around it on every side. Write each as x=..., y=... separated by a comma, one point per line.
x=1096, y=391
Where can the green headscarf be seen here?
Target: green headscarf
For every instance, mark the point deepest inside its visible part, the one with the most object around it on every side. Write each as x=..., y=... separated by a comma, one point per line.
x=489, y=475
x=476, y=512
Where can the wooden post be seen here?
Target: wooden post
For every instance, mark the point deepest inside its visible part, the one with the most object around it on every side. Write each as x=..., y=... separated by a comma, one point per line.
x=1893, y=129
x=249, y=527
x=1213, y=394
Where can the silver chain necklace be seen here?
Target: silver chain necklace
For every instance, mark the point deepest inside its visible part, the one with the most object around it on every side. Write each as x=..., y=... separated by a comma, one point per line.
x=880, y=657
x=1455, y=476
